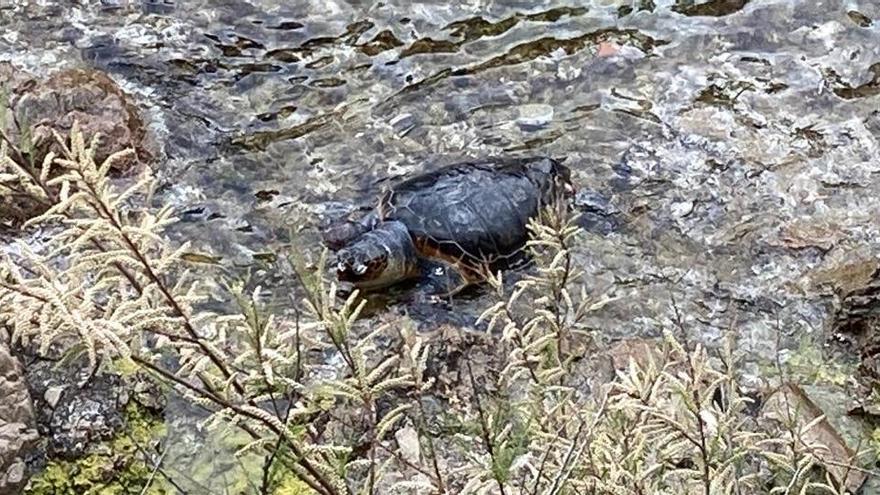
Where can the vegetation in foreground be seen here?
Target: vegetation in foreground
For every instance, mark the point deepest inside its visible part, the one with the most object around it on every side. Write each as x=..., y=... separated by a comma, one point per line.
x=330, y=405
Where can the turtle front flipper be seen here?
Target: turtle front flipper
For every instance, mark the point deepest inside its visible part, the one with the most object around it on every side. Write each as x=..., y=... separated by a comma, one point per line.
x=444, y=279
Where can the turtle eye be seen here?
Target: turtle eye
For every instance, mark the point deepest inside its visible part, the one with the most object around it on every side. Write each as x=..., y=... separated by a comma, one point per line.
x=360, y=269
x=341, y=266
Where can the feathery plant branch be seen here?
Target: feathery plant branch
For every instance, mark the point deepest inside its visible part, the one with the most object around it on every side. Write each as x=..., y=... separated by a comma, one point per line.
x=324, y=396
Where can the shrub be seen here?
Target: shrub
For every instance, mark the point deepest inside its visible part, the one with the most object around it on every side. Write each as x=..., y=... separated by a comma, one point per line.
x=345, y=408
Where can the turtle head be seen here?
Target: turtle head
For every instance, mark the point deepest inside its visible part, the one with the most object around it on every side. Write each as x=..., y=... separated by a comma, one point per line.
x=342, y=232
x=378, y=258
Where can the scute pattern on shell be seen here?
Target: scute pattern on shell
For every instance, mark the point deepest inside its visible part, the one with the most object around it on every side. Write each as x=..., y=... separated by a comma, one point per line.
x=476, y=212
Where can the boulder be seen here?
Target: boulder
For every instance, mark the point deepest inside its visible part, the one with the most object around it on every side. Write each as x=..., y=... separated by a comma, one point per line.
x=17, y=433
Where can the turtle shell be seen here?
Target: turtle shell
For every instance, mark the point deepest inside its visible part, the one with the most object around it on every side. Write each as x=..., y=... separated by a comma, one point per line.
x=475, y=212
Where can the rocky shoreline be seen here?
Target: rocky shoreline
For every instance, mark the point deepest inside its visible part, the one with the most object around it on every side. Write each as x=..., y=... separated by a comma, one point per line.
x=726, y=159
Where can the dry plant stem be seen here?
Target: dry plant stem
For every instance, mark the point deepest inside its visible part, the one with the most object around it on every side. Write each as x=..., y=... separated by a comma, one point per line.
x=318, y=483
x=692, y=375
x=270, y=459
x=52, y=198
x=103, y=210
x=429, y=440
x=569, y=458
x=558, y=436
x=645, y=434
x=558, y=288
x=541, y=467
x=484, y=425
x=157, y=465
x=373, y=440
x=267, y=466
x=704, y=453
x=517, y=339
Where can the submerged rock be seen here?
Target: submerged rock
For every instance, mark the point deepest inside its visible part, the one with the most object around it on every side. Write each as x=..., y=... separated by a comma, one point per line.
x=32, y=110
x=17, y=434
x=87, y=96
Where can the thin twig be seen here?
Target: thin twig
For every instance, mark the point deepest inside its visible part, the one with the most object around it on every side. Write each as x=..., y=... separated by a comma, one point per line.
x=484, y=425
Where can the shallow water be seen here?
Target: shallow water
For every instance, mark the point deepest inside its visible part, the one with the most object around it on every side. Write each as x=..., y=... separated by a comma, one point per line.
x=726, y=152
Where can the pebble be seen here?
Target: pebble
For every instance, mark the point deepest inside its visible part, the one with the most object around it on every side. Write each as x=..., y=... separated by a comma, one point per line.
x=408, y=441
x=53, y=395
x=682, y=208
x=402, y=124
x=533, y=117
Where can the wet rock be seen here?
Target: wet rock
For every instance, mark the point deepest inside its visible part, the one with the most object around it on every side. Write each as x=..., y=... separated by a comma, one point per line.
x=78, y=419
x=383, y=41
x=641, y=351
x=72, y=417
x=607, y=50
x=597, y=213
x=13, y=78
x=108, y=5
x=53, y=395
x=859, y=309
x=713, y=8
x=402, y=123
x=682, y=208
x=808, y=233
x=160, y=7
x=38, y=108
x=850, y=91
x=86, y=96
x=17, y=434
x=844, y=271
x=616, y=358
x=872, y=124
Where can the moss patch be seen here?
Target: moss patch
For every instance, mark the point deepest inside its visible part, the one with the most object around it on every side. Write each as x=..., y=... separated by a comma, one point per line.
x=291, y=485
x=113, y=467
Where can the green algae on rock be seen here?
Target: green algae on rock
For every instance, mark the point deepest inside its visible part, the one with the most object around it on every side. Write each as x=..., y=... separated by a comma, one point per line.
x=115, y=467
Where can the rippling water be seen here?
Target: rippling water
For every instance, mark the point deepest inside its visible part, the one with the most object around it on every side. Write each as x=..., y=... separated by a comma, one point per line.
x=726, y=152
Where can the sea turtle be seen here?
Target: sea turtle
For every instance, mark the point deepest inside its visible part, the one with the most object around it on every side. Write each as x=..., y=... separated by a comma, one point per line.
x=449, y=224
